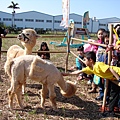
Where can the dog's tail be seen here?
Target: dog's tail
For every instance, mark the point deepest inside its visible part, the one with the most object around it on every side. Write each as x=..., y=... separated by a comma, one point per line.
x=68, y=88
x=7, y=67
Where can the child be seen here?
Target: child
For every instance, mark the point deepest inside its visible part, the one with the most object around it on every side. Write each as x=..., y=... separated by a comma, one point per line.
x=99, y=57
x=44, y=47
x=116, y=37
x=102, y=56
x=101, y=50
x=90, y=47
x=104, y=71
x=80, y=65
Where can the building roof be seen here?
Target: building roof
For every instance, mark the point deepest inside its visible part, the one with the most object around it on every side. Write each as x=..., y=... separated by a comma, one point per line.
x=33, y=12
x=5, y=12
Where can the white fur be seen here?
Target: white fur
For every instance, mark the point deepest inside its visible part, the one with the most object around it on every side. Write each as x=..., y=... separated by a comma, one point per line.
x=39, y=70
x=28, y=44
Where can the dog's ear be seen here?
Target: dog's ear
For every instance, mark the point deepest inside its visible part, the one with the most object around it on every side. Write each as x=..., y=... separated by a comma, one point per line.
x=37, y=35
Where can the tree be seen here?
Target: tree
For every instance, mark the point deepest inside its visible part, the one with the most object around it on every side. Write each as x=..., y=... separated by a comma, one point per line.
x=13, y=6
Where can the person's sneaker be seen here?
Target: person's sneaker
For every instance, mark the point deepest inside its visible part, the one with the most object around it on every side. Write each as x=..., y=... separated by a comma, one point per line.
x=108, y=114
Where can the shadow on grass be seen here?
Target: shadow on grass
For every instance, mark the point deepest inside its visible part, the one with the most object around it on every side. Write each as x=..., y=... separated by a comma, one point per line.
x=82, y=110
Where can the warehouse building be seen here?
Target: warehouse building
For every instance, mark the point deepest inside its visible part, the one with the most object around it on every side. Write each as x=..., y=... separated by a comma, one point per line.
x=38, y=20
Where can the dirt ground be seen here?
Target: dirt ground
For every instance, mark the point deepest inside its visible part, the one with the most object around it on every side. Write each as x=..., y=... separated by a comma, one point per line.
x=82, y=106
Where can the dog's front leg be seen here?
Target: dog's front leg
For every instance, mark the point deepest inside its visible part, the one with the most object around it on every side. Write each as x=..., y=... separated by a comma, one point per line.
x=52, y=96
x=44, y=92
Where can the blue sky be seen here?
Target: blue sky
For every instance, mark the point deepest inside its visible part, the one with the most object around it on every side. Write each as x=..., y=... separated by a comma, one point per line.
x=97, y=8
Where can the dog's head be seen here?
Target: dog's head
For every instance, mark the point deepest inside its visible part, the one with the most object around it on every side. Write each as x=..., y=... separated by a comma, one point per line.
x=70, y=89
x=28, y=38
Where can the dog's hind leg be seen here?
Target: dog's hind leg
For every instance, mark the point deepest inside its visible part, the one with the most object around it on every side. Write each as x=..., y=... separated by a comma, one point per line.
x=44, y=92
x=19, y=95
x=10, y=98
x=11, y=94
x=52, y=96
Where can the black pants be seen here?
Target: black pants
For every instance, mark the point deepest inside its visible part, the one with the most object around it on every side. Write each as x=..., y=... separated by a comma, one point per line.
x=114, y=96
x=118, y=62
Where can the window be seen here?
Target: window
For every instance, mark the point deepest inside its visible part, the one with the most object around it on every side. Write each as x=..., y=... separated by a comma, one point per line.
x=57, y=21
x=48, y=29
x=49, y=21
x=37, y=20
x=78, y=22
x=29, y=20
x=7, y=19
x=18, y=19
x=102, y=24
x=20, y=28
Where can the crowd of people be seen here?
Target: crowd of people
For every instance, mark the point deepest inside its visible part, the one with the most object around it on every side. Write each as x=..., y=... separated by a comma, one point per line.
x=95, y=64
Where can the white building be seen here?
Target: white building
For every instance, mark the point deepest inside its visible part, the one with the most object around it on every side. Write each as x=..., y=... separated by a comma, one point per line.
x=34, y=19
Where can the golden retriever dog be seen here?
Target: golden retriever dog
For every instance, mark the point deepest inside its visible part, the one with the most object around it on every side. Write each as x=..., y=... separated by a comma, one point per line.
x=28, y=40
x=40, y=70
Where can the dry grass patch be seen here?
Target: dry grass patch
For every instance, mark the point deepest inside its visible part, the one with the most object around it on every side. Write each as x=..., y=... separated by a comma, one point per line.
x=82, y=106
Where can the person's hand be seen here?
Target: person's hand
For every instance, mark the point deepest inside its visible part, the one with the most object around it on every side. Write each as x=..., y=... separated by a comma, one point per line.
x=109, y=47
x=75, y=72
x=117, y=47
x=64, y=74
x=43, y=56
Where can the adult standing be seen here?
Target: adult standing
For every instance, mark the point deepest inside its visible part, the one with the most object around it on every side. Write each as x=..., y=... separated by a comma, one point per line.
x=3, y=32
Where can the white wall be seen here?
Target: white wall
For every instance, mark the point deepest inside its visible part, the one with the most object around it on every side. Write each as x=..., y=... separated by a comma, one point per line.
x=6, y=15
x=92, y=26
x=34, y=15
